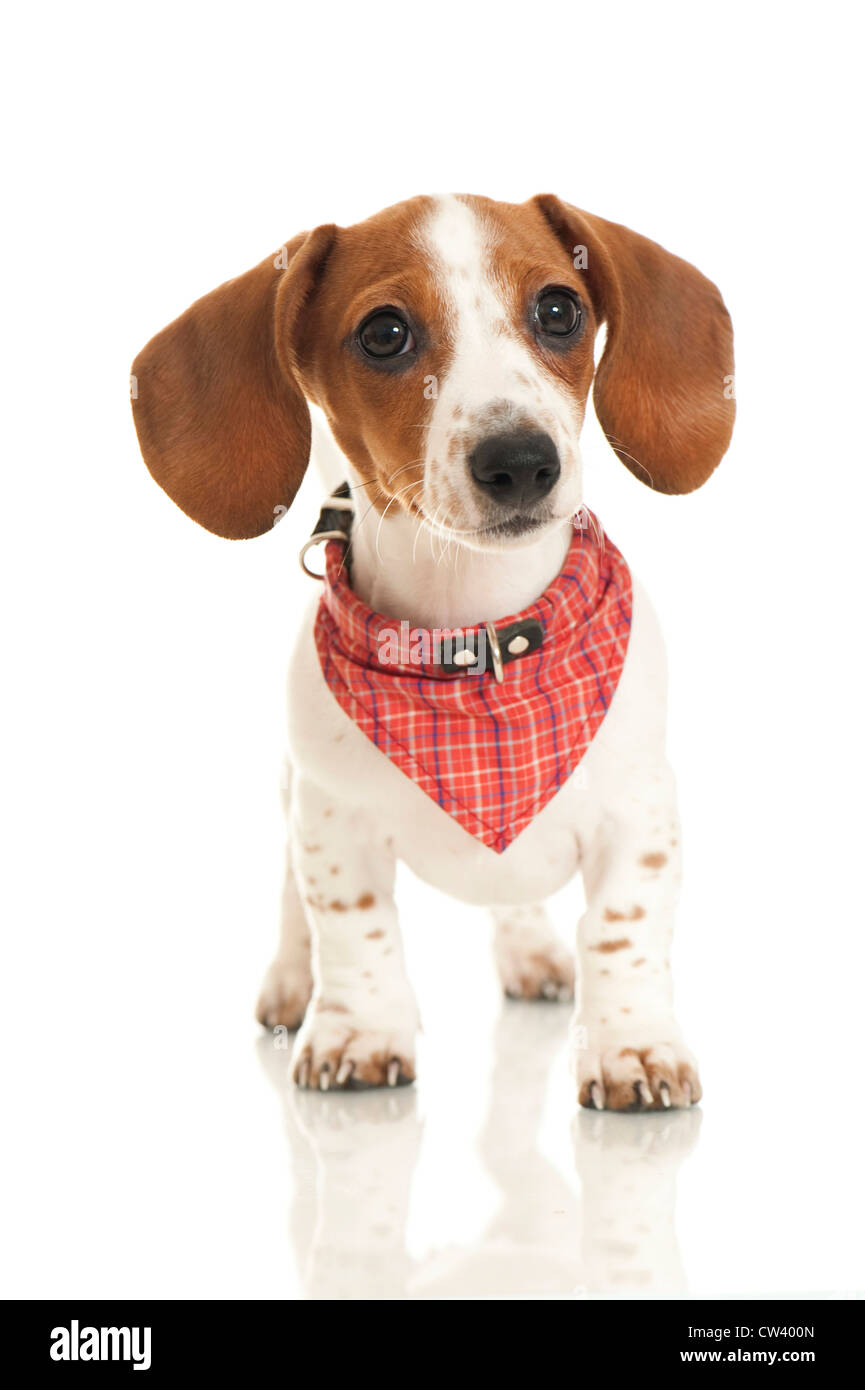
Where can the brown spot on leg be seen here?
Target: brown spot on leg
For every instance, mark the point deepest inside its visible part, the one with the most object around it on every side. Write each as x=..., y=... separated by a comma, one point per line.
x=606, y=948
x=375, y=935
x=659, y=1063
x=611, y=915
x=654, y=861
x=366, y=900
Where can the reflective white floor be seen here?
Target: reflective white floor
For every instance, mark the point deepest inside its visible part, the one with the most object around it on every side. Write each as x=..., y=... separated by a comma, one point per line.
x=173, y=1158
x=593, y=1213
x=383, y=1202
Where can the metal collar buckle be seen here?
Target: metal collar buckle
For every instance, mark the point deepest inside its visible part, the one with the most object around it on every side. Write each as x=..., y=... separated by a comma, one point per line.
x=494, y=648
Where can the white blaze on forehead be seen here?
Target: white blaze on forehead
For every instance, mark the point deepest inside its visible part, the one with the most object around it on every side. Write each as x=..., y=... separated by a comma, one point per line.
x=462, y=248
x=491, y=362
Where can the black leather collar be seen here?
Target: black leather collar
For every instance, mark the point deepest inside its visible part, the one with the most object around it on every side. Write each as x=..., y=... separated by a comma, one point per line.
x=486, y=648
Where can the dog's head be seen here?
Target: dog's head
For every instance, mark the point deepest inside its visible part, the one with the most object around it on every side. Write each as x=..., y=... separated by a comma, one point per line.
x=449, y=342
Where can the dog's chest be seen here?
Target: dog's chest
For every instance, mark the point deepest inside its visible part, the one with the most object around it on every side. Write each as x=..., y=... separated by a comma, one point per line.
x=343, y=762
x=333, y=754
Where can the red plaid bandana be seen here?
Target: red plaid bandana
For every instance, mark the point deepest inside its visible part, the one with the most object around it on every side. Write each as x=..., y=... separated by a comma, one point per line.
x=491, y=755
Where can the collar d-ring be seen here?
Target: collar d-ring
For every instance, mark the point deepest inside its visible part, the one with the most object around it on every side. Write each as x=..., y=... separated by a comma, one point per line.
x=495, y=652
x=334, y=524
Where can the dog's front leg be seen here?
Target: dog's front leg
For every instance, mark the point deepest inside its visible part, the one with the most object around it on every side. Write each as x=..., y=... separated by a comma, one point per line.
x=361, y=1024
x=629, y=1050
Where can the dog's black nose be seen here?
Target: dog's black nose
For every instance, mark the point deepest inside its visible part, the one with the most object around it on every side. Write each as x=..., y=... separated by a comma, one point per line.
x=515, y=469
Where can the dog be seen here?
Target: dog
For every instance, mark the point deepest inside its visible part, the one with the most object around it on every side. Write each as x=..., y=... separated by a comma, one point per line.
x=449, y=344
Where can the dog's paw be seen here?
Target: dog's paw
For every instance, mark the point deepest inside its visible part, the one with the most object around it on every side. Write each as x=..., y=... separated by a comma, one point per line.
x=285, y=993
x=335, y=1050
x=533, y=965
x=640, y=1073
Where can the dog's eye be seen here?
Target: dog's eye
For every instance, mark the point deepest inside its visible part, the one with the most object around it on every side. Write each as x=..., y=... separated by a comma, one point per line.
x=558, y=313
x=385, y=334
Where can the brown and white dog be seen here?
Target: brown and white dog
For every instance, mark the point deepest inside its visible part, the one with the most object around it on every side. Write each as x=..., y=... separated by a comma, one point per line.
x=498, y=305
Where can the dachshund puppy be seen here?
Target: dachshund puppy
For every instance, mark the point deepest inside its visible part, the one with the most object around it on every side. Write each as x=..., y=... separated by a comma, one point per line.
x=478, y=687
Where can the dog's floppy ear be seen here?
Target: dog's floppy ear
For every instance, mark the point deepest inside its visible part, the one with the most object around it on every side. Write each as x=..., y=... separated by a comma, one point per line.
x=222, y=422
x=663, y=390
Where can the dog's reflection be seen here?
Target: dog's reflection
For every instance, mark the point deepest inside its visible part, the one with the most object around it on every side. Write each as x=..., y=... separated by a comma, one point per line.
x=354, y=1158
x=628, y=1166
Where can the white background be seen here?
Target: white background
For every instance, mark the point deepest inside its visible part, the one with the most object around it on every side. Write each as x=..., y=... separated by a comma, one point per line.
x=151, y=1145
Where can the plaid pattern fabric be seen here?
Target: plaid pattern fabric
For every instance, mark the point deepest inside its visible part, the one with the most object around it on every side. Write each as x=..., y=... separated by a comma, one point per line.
x=489, y=755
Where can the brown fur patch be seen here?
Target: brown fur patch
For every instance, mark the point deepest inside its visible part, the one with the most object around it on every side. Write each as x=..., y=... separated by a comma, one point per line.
x=375, y=935
x=611, y=915
x=655, y=860
x=661, y=390
x=216, y=386
x=606, y=948
x=365, y=901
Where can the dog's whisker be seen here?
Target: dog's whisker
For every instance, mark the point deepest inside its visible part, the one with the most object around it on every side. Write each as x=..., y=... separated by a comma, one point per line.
x=620, y=449
x=393, y=499
x=418, y=463
x=356, y=525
